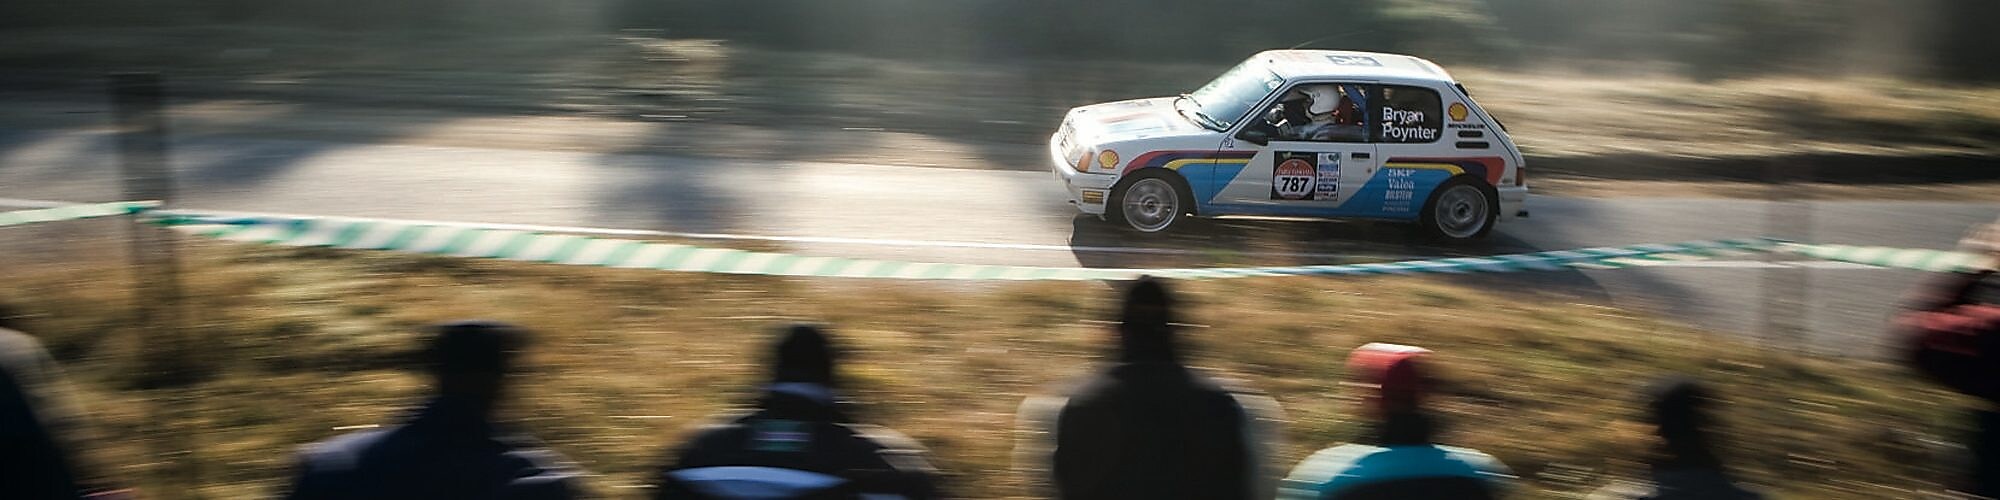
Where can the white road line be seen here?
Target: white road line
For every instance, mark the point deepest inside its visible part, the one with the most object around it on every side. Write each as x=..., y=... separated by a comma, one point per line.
x=1721, y=264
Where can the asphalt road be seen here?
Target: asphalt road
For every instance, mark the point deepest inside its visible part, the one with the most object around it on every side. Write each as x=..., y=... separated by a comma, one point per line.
x=1001, y=217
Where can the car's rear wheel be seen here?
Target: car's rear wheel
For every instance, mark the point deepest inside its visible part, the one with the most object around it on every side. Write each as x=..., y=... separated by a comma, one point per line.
x=1149, y=204
x=1460, y=210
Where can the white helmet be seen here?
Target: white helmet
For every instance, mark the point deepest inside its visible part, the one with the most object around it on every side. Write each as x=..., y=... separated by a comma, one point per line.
x=1324, y=99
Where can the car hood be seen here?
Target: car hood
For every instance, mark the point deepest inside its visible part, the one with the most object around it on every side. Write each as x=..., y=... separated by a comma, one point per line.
x=1129, y=120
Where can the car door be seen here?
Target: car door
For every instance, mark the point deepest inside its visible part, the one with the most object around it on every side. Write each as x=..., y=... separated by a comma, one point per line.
x=1293, y=174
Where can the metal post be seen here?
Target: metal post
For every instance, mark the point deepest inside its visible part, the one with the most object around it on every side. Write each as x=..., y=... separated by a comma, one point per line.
x=1788, y=215
x=166, y=363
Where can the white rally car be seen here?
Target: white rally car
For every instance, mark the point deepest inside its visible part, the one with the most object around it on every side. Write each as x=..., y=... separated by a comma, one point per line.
x=1310, y=133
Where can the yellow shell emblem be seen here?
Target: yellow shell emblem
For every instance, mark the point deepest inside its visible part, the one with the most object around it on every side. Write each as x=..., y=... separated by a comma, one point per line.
x=1458, y=111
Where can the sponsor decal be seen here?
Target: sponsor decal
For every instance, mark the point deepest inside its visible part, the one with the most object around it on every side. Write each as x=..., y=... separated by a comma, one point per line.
x=1093, y=197
x=1293, y=175
x=1353, y=60
x=1402, y=125
x=1305, y=176
x=1458, y=111
x=1474, y=126
x=1402, y=187
x=1328, y=185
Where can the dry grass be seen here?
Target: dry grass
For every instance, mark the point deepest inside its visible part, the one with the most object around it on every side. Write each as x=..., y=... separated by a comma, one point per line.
x=297, y=344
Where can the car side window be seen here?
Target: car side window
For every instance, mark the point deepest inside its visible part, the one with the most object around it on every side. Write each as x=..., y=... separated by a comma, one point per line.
x=1320, y=112
x=1410, y=115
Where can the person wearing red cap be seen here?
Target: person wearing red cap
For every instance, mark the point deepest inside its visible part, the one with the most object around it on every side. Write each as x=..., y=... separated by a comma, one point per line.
x=1397, y=458
x=1950, y=332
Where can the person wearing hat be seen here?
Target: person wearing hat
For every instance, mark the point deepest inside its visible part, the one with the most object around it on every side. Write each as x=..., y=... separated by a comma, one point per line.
x=1685, y=465
x=1149, y=427
x=1397, y=457
x=1950, y=332
x=451, y=448
x=796, y=442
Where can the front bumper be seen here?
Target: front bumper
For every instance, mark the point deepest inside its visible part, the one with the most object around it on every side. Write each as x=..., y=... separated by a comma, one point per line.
x=1087, y=191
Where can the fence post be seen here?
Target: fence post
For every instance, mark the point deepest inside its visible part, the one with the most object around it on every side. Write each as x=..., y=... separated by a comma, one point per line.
x=166, y=364
x=1788, y=215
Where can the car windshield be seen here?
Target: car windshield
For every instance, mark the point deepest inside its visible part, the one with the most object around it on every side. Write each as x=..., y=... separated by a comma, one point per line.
x=1227, y=98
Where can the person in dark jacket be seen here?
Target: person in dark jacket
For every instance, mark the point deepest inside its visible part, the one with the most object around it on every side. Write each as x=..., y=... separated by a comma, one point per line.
x=1398, y=457
x=1950, y=331
x=42, y=390
x=1686, y=466
x=451, y=448
x=797, y=443
x=1148, y=427
x=32, y=465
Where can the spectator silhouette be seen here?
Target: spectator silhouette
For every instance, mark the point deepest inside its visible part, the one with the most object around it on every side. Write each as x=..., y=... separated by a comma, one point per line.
x=32, y=465
x=797, y=443
x=44, y=392
x=1685, y=467
x=451, y=448
x=1397, y=457
x=1950, y=332
x=1148, y=427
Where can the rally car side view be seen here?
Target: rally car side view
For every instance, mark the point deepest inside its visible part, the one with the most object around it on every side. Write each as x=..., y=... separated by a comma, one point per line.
x=1298, y=133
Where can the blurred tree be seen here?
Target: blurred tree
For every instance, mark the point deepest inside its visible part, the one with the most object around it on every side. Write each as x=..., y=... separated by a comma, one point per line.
x=1703, y=38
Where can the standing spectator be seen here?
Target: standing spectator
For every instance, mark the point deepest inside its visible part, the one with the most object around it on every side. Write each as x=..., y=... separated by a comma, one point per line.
x=1685, y=467
x=1148, y=427
x=797, y=443
x=451, y=448
x=42, y=391
x=1398, y=457
x=1951, y=333
x=41, y=380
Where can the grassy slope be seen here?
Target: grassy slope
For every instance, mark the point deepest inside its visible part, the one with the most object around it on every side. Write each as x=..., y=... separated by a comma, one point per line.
x=299, y=344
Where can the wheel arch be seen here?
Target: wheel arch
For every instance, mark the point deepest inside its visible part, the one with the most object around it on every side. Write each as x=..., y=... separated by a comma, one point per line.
x=1174, y=177
x=1492, y=194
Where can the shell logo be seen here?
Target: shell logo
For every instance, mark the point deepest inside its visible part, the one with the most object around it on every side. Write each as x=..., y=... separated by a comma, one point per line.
x=1458, y=111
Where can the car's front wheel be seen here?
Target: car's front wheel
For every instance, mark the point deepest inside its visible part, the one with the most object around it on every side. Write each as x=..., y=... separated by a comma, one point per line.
x=1149, y=205
x=1462, y=209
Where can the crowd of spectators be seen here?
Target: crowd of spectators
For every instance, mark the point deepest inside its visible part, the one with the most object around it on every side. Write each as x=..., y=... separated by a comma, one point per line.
x=1145, y=426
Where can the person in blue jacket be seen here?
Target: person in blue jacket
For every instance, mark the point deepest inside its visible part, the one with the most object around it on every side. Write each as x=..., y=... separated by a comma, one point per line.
x=451, y=448
x=1397, y=457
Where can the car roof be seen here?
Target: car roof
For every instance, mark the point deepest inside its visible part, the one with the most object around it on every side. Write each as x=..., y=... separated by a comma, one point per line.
x=1294, y=64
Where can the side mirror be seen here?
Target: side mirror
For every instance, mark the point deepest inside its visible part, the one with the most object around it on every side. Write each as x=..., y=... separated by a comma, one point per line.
x=1255, y=135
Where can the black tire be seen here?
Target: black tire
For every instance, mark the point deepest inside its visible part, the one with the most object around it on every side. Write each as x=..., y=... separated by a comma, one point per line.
x=1462, y=209
x=1158, y=203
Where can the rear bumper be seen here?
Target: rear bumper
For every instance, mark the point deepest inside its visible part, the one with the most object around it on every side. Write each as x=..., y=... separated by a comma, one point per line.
x=1087, y=191
x=1513, y=200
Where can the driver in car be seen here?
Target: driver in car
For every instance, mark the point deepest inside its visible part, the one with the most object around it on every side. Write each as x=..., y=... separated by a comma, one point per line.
x=1329, y=116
